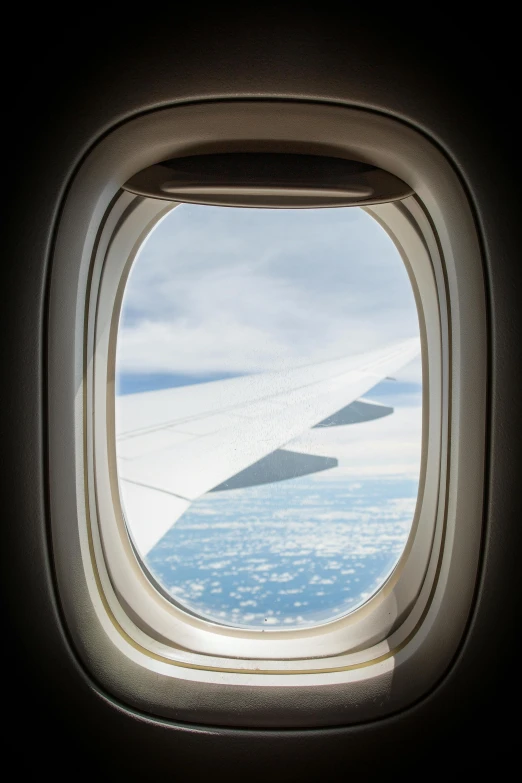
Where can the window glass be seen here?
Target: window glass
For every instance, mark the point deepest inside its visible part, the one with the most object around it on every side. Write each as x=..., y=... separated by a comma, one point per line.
x=268, y=457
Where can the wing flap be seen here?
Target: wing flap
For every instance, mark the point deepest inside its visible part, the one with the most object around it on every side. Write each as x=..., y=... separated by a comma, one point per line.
x=355, y=413
x=280, y=465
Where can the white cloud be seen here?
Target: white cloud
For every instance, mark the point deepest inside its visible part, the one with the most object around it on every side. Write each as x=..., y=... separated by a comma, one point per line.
x=230, y=290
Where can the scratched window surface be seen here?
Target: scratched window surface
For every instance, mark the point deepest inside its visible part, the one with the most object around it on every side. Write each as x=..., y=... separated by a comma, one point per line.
x=268, y=411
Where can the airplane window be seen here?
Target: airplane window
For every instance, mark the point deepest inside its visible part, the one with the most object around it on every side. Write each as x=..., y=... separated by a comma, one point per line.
x=268, y=411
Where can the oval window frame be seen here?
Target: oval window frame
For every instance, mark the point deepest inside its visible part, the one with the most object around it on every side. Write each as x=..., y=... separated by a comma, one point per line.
x=384, y=646
x=367, y=624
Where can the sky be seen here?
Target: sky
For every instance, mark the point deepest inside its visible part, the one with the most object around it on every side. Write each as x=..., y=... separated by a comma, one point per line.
x=217, y=292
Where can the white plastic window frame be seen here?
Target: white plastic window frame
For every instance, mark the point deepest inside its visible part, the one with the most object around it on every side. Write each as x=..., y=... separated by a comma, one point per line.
x=165, y=620
x=144, y=649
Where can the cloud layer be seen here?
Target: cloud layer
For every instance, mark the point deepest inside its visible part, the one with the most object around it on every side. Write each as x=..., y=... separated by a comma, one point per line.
x=233, y=290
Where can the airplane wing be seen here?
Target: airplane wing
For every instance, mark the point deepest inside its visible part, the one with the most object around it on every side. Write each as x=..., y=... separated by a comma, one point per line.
x=175, y=445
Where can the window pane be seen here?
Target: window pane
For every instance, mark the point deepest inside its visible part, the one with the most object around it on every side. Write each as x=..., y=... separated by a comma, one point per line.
x=268, y=411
